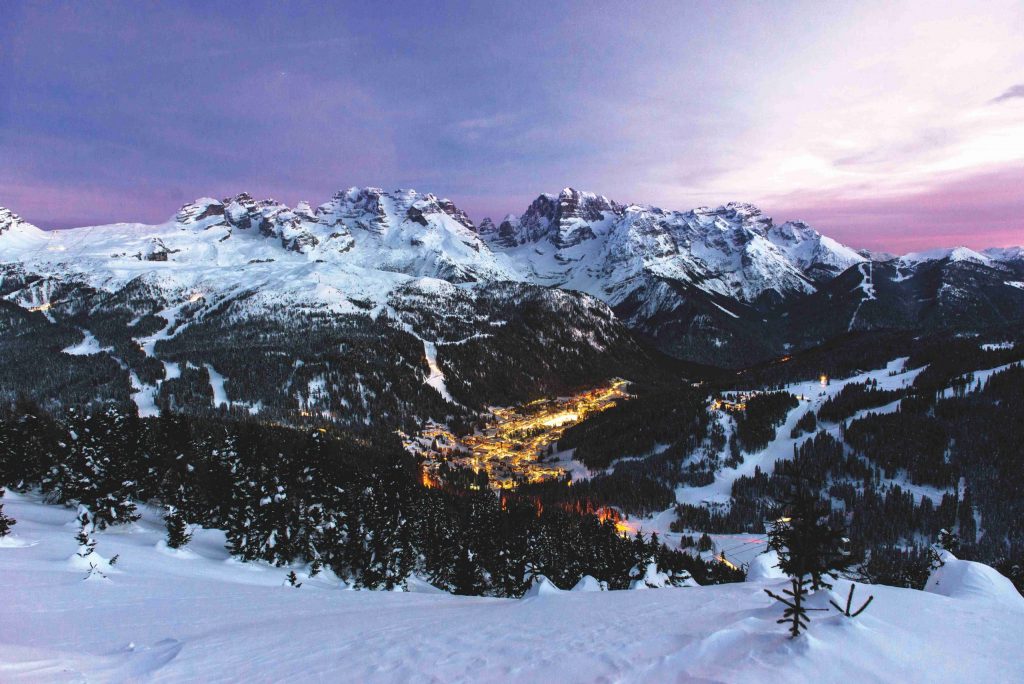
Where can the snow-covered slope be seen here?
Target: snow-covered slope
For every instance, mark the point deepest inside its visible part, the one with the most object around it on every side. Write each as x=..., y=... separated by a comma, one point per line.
x=195, y=615
x=1005, y=254
x=954, y=254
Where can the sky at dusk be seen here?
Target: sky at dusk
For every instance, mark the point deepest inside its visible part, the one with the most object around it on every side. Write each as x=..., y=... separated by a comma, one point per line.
x=887, y=125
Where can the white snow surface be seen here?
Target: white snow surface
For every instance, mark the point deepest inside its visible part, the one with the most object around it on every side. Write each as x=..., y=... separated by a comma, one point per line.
x=198, y=616
x=969, y=580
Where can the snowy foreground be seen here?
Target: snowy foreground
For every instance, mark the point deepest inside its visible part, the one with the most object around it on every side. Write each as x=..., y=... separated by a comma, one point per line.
x=196, y=615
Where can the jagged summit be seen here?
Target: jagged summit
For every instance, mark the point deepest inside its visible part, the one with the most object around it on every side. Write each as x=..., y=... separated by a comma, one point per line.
x=586, y=241
x=9, y=221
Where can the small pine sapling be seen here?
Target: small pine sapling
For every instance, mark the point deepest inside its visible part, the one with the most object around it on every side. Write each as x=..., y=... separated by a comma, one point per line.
x=94, y=571
x=849, y=602
x=947, y=541
x=6, y=521
x=796, y=612
x=178, y=534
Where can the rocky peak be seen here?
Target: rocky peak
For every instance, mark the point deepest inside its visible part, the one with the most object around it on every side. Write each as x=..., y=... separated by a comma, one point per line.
x=200, y=210
x=486, y=227
x=9, y=220
x=448, y=207
x=564, y=219
x=361, y=208
x=424, y=206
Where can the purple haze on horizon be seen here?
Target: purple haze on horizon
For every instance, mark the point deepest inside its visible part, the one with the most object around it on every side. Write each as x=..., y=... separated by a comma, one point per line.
x=895, y=126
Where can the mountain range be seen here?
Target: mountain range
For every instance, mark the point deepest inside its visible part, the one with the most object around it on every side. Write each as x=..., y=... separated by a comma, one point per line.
x=382, y=303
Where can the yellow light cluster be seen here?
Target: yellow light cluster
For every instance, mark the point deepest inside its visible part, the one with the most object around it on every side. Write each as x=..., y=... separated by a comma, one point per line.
x=509, y=446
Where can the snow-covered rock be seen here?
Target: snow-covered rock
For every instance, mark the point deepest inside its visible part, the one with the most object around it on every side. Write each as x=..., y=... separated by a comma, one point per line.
x=818, y=256
x=586, y=242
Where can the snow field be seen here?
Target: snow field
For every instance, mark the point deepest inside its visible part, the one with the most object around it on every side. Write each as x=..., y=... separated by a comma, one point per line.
x=195, y=615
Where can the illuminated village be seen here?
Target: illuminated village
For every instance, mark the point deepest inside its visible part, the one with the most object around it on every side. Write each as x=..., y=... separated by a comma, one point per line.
x=510, y=446
x=512, y=443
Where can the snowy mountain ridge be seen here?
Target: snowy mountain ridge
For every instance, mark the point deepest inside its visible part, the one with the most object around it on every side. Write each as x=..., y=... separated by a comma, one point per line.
x=715, y=285
x=575, y=240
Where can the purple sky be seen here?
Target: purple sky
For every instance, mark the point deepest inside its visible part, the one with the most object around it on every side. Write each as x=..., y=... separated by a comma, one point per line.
x=886, y=125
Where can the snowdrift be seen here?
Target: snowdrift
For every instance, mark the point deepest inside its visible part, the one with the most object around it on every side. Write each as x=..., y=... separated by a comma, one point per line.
x=969, y=580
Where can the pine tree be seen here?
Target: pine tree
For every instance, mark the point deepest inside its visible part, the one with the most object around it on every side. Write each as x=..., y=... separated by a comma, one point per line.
x=96, y=474
x=6, y=522
x=178, y=534
x=467, y=580
x=86, y=542
x=804, y=540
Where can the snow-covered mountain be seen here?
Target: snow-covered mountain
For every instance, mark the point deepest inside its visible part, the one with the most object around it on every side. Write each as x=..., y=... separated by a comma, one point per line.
x=344, y=311
x=584, y=241
x=724, y=286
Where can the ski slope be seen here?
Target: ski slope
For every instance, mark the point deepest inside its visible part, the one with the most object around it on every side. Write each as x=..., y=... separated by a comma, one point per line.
x=195, y=615
x=742, y=548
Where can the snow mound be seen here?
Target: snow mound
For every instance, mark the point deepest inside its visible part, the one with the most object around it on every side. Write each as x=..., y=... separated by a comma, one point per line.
x=542, y=586
x=13, y=542
x=764, y=568
x=183, y=553
x=963, y=579
x=588, y=583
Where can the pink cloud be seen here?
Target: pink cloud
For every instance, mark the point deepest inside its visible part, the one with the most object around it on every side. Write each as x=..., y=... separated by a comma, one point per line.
x=981, y=210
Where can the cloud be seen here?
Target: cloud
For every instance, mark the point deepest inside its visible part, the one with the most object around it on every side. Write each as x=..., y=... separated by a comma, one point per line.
x=980, y=209
x=1011, y=93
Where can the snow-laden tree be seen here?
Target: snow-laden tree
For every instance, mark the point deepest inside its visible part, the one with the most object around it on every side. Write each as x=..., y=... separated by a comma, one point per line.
x=178, y=531
x=6, y=521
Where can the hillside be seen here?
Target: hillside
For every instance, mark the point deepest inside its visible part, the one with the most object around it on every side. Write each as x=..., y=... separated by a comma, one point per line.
x=181, y=616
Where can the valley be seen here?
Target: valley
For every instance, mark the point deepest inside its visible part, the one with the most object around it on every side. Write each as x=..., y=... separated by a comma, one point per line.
x=511, y=444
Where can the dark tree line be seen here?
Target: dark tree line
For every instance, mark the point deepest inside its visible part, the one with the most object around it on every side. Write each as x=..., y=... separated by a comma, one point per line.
x=334, y=501
x=675, y=417
x=756, y=425
x=966, y=445
x=855, y=397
